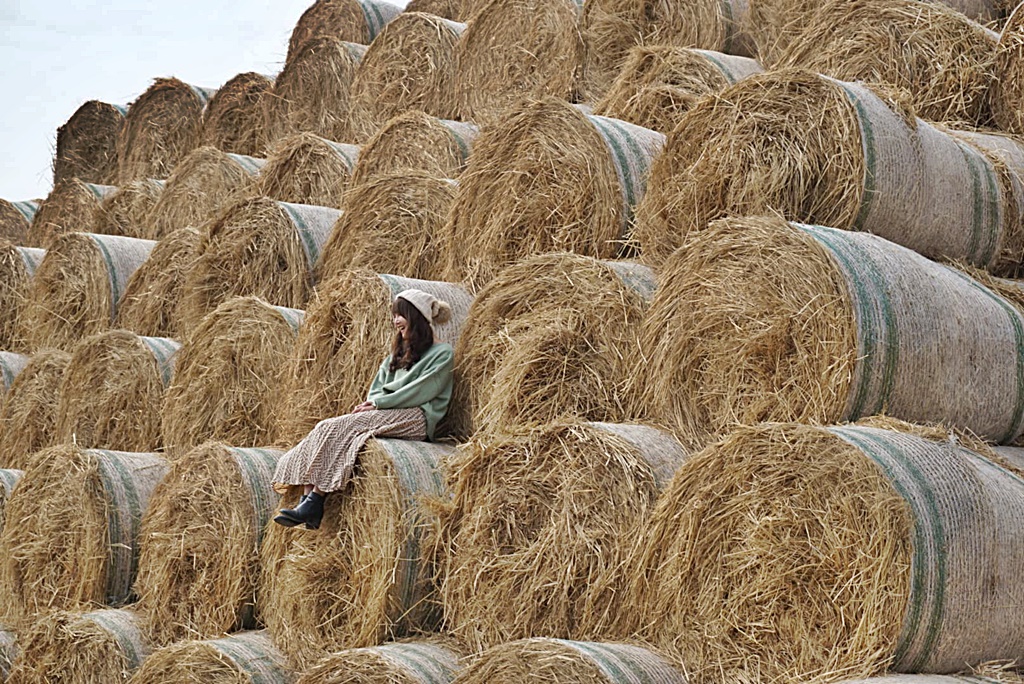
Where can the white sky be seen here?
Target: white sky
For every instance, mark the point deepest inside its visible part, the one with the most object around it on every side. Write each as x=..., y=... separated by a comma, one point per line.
x=57, y=54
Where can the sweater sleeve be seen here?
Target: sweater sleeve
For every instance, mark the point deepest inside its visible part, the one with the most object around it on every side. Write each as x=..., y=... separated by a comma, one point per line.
x=428, y=385
x=376, y=388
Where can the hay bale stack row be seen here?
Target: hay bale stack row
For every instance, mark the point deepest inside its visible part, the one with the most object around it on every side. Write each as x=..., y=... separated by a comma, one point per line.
x=126, y=211
x=233, y=120
x=404, y=662
x=17, y=266
x=307, y=169
x=358, y=21
x=245, y=657
x=155, y=289
x=69, y=208
x=16, y=220
x=87, y=144
x=28, y=419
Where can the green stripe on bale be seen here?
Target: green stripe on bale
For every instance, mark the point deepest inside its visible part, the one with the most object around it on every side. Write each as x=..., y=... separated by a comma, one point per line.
x=32, y=256
x=254, y=656
x=313, y=225
x=633, y=148
x=256, y=466
x=122, y=256
x=121, y=624
x=425, y=663
x=164, y=350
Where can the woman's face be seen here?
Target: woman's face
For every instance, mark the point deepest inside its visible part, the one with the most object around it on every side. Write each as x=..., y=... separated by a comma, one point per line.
x=401, y=325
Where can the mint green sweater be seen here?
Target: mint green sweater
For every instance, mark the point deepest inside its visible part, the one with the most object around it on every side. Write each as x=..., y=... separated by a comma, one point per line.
x=428, y=384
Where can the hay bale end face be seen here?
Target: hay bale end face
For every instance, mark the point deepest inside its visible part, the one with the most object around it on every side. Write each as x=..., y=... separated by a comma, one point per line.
x=126, y=210
x=17, y=266
x=76, y=289
x=69, y=208
x=16, y=220
x=8, y=481
x=103, y=645
x=200, y=540
x=28, y=420
x=889, y=533
x=256, y=247
x=358, y=21
x=233, y=119
x=404, y=662
x=83, y=552
x=242, y=658
x=365, y=576
x=410, y=65
x=344, y=338
x=308, y=169
x=87, y=144
x=227, y=374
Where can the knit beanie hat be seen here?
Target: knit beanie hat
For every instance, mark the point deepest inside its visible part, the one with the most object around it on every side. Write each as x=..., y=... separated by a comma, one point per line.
x=432, y=308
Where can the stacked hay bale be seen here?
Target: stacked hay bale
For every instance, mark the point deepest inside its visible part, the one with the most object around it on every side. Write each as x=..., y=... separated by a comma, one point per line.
x=233, y=119
x=28, y=419
x=366, y=576
x=200, y=185
x=410, y=65
x=83, y=552
x=17, y=266
x=547, y=178
x=344, y=338
x=200, y=540
x=359, y=21
x=87, y=144
x=126, y=210
x=161, y=127
x=113, y=389
x=1006, y=95
x=16, y=220
x=226, y=375
x=68, y=208
x=75, y=290
x=307, y=169
x=100, y=646
x=446, y=9
x=243, y=658
x=660, y=83
x=416, y=661
x=888, y=534
x=256, y=247
x=151, y=296
x=512, y=50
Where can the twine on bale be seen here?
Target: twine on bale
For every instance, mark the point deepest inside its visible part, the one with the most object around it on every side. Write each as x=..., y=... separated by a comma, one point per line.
x=256, y=247
x=358, y=21
x=531, y=542
x=16, y=220
x=345, y=336
x=415, y=661
x=126, y=210
x=17, y=266
x=233, y=120
x=200, y=185
x=900, y=543
x=547, y=178
x=87, y=144
x=75, y=291
x=227, y=374
x=307, y=169
x=8, y=481
x=83, y=552
x=113, y=389
x=11, y=366
x=28, y=418
x=516, y=49
x=365, y=576
x=154, y=290
x=410, y=65
x=199, y=560
x=390, y=225
x=660, y=83
x=415, y=141
x=242, y=658
x=100, y=646
x=69, y=208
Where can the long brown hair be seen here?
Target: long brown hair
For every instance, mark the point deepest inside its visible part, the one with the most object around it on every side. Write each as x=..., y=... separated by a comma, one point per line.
x=405, y=353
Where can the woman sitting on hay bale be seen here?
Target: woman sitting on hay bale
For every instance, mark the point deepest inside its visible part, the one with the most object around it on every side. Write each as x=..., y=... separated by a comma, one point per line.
x=408, y=398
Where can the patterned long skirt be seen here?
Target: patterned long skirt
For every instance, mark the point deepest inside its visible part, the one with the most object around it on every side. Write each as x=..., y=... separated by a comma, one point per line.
x=326, y=456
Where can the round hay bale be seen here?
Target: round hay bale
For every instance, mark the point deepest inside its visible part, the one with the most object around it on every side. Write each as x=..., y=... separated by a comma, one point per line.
x=941, y=61
x=410, y=65
x=100, y=646
x=75, y=291
x=87, y=144
x=405, y=662
x=311, y=94
x=547, y=178
x=199, y=559
x=162, y=126
x=226, y=375
x=8, y=481
x=344, y=338
x=533, y=537
x=832, y=153
x=660, y=83
x=307, y=169
x=512, y=50
x=11, y=366
x=887, y=534
x=233, y=119
x=570, y=662
x=1007, y=95
x=152, y=294
x=17, y=266
x=548, y=337
x=824, y=326
x=446, y=9
x=68, y=208
x=126, y=210
x=611, y=28
x=28, y=419
x=8, y=653
x=390, y=225
x=415, y=141
x=113, y=389
x=366, y=575
x=358, y=21
x=200, y=185
x=256, y=247
x=16, y=220
x=242, y=658
x=82, y=553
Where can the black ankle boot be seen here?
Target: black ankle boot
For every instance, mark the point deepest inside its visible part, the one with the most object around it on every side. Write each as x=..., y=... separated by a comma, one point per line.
x=310, y=512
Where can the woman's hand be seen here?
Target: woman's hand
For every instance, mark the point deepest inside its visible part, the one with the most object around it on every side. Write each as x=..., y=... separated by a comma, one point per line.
x=365, y=406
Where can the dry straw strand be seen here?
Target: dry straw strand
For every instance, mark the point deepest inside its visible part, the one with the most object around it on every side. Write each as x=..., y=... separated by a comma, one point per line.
x=28, y=420
x=16, y=220
x=364, y=576
x=242, y=658
x=413, y=661
x=227, y=374
x=69, y=208
x=17, y=266
x=358, y=21
x=126, y=210
x=233, y=119
x=87, y=144
x=410, y=65
x=199, y=559
x=308, y=169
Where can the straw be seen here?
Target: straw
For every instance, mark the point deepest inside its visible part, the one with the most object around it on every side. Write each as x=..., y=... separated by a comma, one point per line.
x=233, y=119
x=69, y=208
x=87, y=144
x=16, y=220
x=446, y=9
x=415, y=661
x=17, y=265
x=29, y=415
x=126, y=210
x=243, y=658
x=307, y=169
x=358, y=21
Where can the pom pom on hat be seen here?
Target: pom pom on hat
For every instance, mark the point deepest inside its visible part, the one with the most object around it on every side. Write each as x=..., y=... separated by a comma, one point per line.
x=436, y=312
